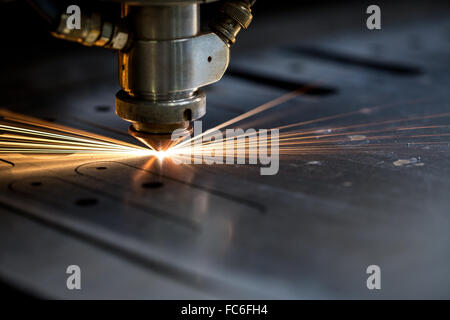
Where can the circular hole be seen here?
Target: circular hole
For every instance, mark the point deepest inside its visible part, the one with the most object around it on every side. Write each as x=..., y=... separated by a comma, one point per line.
x=102, y=108
x=123, y=67
x=101, y=168
x=86, y=202
x=152, y=185
x=209, y=59
x=36, y=184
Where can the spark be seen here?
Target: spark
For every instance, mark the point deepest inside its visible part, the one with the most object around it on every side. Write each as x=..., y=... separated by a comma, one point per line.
x=293, y=140
x=26, y=135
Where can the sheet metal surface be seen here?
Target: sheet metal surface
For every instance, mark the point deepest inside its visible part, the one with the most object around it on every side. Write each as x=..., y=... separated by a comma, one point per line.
x=226, y=231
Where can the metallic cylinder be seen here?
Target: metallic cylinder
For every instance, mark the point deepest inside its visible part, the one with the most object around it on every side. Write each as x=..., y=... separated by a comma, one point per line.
x=154, y=68
x=156, y=73
x=167, y=22
x=235, y=15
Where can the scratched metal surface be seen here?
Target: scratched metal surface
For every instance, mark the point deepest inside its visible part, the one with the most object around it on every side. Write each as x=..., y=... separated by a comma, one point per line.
x=225, y=231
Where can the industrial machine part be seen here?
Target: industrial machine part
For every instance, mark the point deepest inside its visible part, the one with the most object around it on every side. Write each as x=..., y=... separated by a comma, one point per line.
x=164, y=58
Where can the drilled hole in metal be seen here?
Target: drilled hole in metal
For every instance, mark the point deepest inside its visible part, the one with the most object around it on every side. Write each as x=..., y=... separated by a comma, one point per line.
x=86, y=202
x=102, y=108
x=152, y=185
x=101, y=168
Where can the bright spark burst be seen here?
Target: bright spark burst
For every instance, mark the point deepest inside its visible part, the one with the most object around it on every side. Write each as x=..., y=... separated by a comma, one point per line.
x=23, y=134
x=294, y=140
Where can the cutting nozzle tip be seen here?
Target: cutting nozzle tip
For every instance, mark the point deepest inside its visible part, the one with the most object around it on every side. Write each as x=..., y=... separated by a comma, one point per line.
x=157, y=141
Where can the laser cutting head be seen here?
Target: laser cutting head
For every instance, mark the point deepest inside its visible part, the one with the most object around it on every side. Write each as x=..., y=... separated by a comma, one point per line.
x=164, y=58
x=164, y=68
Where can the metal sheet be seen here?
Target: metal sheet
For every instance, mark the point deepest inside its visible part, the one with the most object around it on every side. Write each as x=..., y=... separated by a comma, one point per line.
x=226, y=231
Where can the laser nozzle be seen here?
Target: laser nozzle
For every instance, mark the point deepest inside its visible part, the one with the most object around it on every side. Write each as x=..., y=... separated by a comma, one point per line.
x=157, y=141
